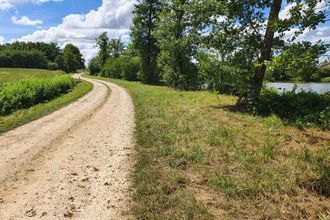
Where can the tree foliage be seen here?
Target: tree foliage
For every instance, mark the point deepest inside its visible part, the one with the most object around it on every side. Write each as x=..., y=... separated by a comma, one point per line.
x=50, y=50
x=176, y=46
x=299, y=60
x=41, y=55
x=73, y=59
x=223, y=45
x=145, y=22
x=94, y=66
x=116, y=47
x=123, y=67
x=102, y=43
x=246, y=33
x=23, y=59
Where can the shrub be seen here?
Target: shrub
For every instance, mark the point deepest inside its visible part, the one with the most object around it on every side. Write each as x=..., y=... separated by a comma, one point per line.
x=300, y=108
x=130, y=68
x=52, y=66
x=123, y=67
x=112, y=68
x=26, y=93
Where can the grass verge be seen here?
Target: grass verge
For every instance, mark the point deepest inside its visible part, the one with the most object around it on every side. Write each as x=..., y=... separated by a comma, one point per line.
x=197, y=160
x=24, y=116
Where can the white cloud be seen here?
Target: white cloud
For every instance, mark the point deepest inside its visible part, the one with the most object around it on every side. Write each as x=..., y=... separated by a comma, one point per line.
x=24, y=20
x=2, y=40
x=8, y=4
x=285, y=12
x=113, y=16
x=321, y=33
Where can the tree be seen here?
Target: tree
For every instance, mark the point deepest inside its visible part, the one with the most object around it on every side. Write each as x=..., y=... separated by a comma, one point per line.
x=49, y=50
x=102, y=43
x=23, y=59
x=303, y=15
x=94, y=67
x=177, y=50
x=73, y=59
x=116, y=47
x=300, y=60
x=250, y=31
x=59, y=60
x=146, y=17
x=266, y=51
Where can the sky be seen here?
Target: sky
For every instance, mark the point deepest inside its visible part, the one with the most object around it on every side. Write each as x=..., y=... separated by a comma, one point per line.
x=65, y=21
x=81, y=21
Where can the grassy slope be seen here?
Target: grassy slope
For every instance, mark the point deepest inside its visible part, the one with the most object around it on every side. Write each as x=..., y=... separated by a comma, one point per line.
x=198, y=160
x=11, y=74
x=26, y=115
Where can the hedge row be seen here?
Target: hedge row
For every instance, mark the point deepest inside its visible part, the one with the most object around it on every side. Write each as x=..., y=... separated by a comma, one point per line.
x=27, y=93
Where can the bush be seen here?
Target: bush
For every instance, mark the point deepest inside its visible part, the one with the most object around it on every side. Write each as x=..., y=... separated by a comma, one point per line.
x=300, y=108
x=52, y=66
x=26, y=93
x=130, y=68
x=23, y=59
x=112, y=68
x=123, y=67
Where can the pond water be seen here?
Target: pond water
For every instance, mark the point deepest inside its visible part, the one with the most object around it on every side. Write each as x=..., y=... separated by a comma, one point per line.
x=315, y=87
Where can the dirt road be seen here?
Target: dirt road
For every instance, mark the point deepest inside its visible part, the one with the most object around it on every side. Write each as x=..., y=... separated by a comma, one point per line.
x=74, y=163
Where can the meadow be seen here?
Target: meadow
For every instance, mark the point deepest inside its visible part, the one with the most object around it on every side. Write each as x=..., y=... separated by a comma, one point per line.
x=14, y=74
x=197, y=159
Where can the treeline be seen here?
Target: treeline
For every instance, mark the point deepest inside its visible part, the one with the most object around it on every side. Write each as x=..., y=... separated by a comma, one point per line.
x=227, y=46
x=41, y=55
x=324, y=71
x=115, y=60
x=300, y=62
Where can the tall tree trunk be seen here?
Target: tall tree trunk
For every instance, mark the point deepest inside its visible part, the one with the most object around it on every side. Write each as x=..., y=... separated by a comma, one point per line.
x=266, y=51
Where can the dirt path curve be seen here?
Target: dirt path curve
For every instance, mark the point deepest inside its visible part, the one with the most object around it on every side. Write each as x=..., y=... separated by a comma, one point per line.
x=73, y=163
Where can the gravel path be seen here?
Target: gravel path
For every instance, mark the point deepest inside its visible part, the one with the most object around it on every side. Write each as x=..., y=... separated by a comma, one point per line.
x=74, y=163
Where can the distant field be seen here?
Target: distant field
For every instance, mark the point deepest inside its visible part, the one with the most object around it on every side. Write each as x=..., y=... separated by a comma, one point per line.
x=11, y=74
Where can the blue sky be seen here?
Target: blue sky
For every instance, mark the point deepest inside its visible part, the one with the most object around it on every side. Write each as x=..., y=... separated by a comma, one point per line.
x=50, y=13
x=65, y=21
x=81, y=21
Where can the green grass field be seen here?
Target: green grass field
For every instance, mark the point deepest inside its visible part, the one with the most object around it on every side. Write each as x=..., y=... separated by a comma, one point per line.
x=12, y=74
x=24, y=116
x=196, y=159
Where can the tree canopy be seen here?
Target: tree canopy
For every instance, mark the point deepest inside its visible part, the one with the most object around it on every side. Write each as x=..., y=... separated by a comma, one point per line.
x=145, y=22
x=226, y=45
